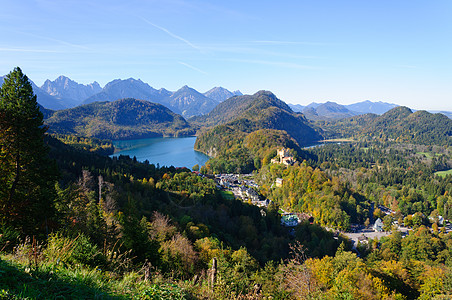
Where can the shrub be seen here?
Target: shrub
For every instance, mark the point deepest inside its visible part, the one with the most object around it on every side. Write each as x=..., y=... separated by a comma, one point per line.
x=8, y=237
x=163, y=291
x=77, y=250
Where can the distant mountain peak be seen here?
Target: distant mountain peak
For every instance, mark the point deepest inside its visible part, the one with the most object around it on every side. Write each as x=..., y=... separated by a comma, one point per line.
x=69, y=91
x=187, y=89
x=190, y=102
x=62, y=77
x=296, y=107
x=125, y=88
x=368, y=106
x=220, y=94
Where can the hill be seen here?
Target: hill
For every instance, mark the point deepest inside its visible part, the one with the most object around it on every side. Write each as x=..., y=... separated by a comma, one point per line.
x=345, y=128
x=421, y=127
x=121, y=119
x=262, y=110
x=334, y=111
x=446, y=113
x=398, y=124
x=328, y=111
x=240, y=106
x=235, y=121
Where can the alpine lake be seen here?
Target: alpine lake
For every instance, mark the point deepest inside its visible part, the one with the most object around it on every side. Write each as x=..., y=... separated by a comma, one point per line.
x=177, y=152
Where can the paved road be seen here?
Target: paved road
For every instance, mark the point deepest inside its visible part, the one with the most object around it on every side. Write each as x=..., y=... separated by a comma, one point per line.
x=370, y=234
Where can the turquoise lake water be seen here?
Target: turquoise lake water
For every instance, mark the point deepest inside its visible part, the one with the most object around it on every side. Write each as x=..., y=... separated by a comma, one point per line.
x=176, y=152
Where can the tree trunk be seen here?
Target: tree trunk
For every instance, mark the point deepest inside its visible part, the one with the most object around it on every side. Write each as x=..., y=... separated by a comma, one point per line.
x=16, y=180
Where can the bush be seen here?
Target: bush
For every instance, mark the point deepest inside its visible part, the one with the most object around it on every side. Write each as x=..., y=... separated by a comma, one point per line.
x=163, y=291
x=8, y=237
x=78, y=250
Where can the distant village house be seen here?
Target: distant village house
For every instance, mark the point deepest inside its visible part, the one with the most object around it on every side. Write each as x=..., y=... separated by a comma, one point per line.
x=378, y=225
x=289, y=220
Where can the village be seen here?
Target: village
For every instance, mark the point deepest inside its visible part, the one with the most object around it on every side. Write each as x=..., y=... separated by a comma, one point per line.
x=243, y=187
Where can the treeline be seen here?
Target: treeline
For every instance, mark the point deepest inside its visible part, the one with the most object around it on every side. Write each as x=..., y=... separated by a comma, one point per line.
x=98, y=146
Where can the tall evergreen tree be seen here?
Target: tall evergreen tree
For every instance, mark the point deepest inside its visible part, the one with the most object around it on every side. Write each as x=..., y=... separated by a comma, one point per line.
x=26, y=173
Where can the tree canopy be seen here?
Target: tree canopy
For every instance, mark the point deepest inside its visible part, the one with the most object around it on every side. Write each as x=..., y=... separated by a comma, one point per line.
x=26, y=173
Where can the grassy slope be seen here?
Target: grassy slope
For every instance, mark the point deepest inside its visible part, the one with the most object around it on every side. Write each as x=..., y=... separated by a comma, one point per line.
x=20, y=281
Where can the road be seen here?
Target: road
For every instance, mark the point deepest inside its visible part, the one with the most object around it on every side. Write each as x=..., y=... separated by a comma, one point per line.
x=370, y=234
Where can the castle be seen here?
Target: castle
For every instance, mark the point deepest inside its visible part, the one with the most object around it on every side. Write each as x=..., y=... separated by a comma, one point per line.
x=283, y=157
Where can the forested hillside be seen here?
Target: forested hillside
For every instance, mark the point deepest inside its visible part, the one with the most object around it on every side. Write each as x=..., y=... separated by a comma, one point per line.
x=398, y=176
x=398, y=124
x=236, y=118
x=421, y=127
x=234, y=107
x=121, y=119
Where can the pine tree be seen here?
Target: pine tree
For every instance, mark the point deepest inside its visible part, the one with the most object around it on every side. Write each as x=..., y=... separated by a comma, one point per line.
x=26, y=173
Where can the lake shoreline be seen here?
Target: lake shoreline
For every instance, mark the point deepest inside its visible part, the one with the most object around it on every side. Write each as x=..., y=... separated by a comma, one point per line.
x=162, y=151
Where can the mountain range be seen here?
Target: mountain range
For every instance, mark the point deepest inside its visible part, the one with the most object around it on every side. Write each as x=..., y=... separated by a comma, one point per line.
x=63, y=93
x=334, y=111
x=73, y=92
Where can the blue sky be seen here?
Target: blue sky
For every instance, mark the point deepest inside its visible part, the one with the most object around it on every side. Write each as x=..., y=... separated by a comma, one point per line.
x=303, y=51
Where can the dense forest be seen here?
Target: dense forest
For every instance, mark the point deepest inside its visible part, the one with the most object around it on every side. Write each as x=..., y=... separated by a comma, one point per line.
x=308, y=190
x=77, y=224
x=399, y=176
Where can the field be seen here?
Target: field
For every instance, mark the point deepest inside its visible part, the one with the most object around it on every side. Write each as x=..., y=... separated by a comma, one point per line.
x=444, y=173
x=426, y=154
x=227, y=195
